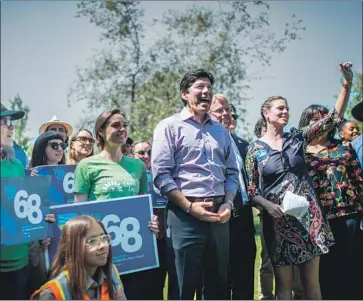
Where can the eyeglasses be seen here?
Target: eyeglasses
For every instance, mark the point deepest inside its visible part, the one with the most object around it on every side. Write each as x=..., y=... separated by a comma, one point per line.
x=142, y=152
x=7, y=122
x=56, y=145
x=84, y=140
x=94, y=242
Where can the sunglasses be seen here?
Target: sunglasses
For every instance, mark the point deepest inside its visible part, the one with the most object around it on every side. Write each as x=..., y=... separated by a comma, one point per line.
x=142, y=152
x=84, y=140
x=56, y=145
x=94, y=242
x=7, y=122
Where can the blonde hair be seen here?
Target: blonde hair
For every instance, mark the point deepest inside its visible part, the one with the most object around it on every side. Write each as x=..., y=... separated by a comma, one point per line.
x=71, y=158
x=219, y=97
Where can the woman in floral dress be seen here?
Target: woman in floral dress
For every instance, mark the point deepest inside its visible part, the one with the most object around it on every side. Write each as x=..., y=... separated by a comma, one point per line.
x=276, y=162
x=337, y=179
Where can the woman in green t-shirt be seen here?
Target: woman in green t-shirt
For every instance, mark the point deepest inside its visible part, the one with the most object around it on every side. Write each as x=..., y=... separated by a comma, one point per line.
x=110, y=174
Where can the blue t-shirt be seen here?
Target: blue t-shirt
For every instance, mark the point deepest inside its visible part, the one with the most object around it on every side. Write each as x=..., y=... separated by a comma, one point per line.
x=357, y=144
x=20, y=154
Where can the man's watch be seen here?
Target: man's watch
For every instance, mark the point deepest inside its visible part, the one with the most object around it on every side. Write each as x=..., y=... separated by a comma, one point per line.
x=231, y=203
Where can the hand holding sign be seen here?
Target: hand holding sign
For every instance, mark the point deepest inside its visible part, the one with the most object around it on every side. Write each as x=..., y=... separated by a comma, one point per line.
x=61, y=190
x=126, y=220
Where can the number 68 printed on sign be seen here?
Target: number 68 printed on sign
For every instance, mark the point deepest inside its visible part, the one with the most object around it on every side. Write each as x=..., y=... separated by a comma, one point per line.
x=28, y=206
x=120, y=233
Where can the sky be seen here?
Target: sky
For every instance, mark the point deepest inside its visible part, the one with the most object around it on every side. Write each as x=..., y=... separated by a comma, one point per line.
x=42, y=43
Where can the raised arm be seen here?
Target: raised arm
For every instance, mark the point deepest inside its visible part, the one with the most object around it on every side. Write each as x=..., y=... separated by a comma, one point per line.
x=334, y=116
x=343, y=98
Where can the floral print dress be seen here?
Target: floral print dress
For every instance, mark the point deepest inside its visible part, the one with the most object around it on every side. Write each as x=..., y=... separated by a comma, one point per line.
x=337, y=179
x=271, y=173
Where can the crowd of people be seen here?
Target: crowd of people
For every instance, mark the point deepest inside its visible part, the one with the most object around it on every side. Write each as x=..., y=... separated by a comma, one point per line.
x=212, y=179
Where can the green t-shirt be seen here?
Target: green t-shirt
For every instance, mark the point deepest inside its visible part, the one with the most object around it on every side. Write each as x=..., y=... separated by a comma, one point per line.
x=102, y=179
x=15, y=257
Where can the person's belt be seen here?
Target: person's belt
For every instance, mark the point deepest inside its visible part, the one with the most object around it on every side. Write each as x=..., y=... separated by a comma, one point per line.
x=217, y=201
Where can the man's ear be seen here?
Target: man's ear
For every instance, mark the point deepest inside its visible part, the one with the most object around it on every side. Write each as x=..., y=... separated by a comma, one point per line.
x=184, y=95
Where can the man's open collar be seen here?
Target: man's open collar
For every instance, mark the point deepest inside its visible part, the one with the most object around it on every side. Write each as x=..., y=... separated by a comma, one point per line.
x=185, y=114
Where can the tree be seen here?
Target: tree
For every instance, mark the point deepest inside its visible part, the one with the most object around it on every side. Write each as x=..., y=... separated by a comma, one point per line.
x=159, y=98
x=21, y=125
x=226, y=39
x=115, y=74
x=356, y=95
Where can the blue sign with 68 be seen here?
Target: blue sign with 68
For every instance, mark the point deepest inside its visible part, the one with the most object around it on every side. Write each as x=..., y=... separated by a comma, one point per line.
x=126, y=220
x=24, y=204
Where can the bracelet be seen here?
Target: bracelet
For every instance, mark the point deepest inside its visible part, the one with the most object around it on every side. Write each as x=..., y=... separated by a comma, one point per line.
x=190, y=207
x=346, y=85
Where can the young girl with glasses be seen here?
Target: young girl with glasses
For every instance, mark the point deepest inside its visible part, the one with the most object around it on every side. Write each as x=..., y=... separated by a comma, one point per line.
x=82, y=268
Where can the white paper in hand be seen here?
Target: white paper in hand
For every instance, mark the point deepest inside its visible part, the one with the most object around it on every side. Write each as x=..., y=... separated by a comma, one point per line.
x=294, y=204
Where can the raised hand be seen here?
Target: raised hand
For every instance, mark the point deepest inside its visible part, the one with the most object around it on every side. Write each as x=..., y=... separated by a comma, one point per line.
x=347, y=72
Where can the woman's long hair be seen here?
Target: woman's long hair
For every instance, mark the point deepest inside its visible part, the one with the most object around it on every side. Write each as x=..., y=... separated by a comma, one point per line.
x=71, y=153
x=39, y=156
x=70, y=256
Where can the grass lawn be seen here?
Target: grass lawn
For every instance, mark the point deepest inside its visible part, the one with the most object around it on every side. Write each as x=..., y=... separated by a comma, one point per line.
x=257, y=263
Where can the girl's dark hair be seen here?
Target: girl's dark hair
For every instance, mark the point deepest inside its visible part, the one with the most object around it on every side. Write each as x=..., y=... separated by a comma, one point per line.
x=71, y=154
x=39, y=156
x=101, y=123
x=191, y=77
x=308, y=114
x=267, y=105
x=70, y=256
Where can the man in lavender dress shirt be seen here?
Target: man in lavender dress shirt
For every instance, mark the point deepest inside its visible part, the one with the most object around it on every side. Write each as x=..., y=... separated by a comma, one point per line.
x=194, y=166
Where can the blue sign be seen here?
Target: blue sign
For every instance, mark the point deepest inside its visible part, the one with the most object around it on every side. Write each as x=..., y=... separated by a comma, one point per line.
x=61, y=189
x=24, y=204
x=158, y=200
x=126, y=219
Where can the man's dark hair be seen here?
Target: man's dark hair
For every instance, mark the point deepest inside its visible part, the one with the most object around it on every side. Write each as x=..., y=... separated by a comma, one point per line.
x=191, y=77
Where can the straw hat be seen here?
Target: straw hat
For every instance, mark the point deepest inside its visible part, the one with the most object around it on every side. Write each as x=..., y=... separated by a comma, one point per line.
x=55, y=120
